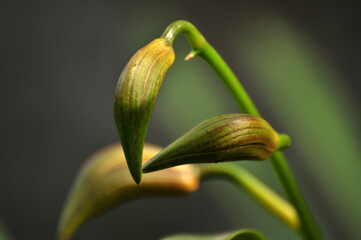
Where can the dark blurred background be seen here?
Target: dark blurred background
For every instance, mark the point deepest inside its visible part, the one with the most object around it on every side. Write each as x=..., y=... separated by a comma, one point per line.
x=59, y=64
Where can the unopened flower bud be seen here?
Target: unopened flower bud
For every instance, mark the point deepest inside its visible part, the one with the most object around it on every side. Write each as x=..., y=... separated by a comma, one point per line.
x=230, y=137
x=135, y=95
x=104, y=182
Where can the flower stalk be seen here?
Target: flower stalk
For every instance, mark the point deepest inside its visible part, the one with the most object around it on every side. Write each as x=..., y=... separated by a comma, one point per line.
x=203, y=49
x=256, y=189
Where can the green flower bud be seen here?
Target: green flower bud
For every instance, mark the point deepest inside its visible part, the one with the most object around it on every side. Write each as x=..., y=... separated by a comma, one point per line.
x=135, y=95
x=104, y=182
x=230, y=137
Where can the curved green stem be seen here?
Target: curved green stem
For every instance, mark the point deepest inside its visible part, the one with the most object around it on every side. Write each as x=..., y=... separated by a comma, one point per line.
x=210, y=55
x=195, y=38
x=256, y=189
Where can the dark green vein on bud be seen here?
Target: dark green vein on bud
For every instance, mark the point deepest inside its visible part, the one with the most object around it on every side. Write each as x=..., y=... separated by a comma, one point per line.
x=229, y=137
x=135, y=95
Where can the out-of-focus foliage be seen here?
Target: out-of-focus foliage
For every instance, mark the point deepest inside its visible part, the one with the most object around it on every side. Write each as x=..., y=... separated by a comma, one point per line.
x=239, y=235
x=4, y=235
x=308, y=99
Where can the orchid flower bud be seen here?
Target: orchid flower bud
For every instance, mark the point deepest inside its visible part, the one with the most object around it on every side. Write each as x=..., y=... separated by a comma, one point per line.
x=230, y=137
x=104, y=182
x=135, y=95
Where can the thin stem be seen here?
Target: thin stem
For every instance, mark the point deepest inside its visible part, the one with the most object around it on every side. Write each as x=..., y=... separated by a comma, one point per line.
x=195, y=38
x=207, y=52
x=210, y=55
x=256, y=189
x=279, y=163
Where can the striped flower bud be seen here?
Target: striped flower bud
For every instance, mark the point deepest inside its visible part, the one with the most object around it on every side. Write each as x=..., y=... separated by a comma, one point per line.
x=104, y=182
x=135, y=96
x=230, y=137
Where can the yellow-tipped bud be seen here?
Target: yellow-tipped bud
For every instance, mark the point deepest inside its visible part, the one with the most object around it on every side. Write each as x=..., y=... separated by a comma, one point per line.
x=104, y=182
x=135, y=95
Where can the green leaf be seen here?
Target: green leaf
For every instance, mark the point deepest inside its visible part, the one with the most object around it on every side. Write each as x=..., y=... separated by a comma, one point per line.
x=306, y=94
x=4, y=235
x=246, y=234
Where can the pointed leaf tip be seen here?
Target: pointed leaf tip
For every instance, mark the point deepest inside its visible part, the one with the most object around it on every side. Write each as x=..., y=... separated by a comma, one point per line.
x=135, y=95
x=230, y=137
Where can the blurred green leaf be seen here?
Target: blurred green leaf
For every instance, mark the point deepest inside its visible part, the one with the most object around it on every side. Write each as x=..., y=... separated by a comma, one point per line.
x=239, y=235
x=4, y=235
x=306, y=95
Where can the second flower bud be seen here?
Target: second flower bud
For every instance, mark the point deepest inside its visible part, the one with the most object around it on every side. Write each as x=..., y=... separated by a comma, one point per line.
x=230, y=137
